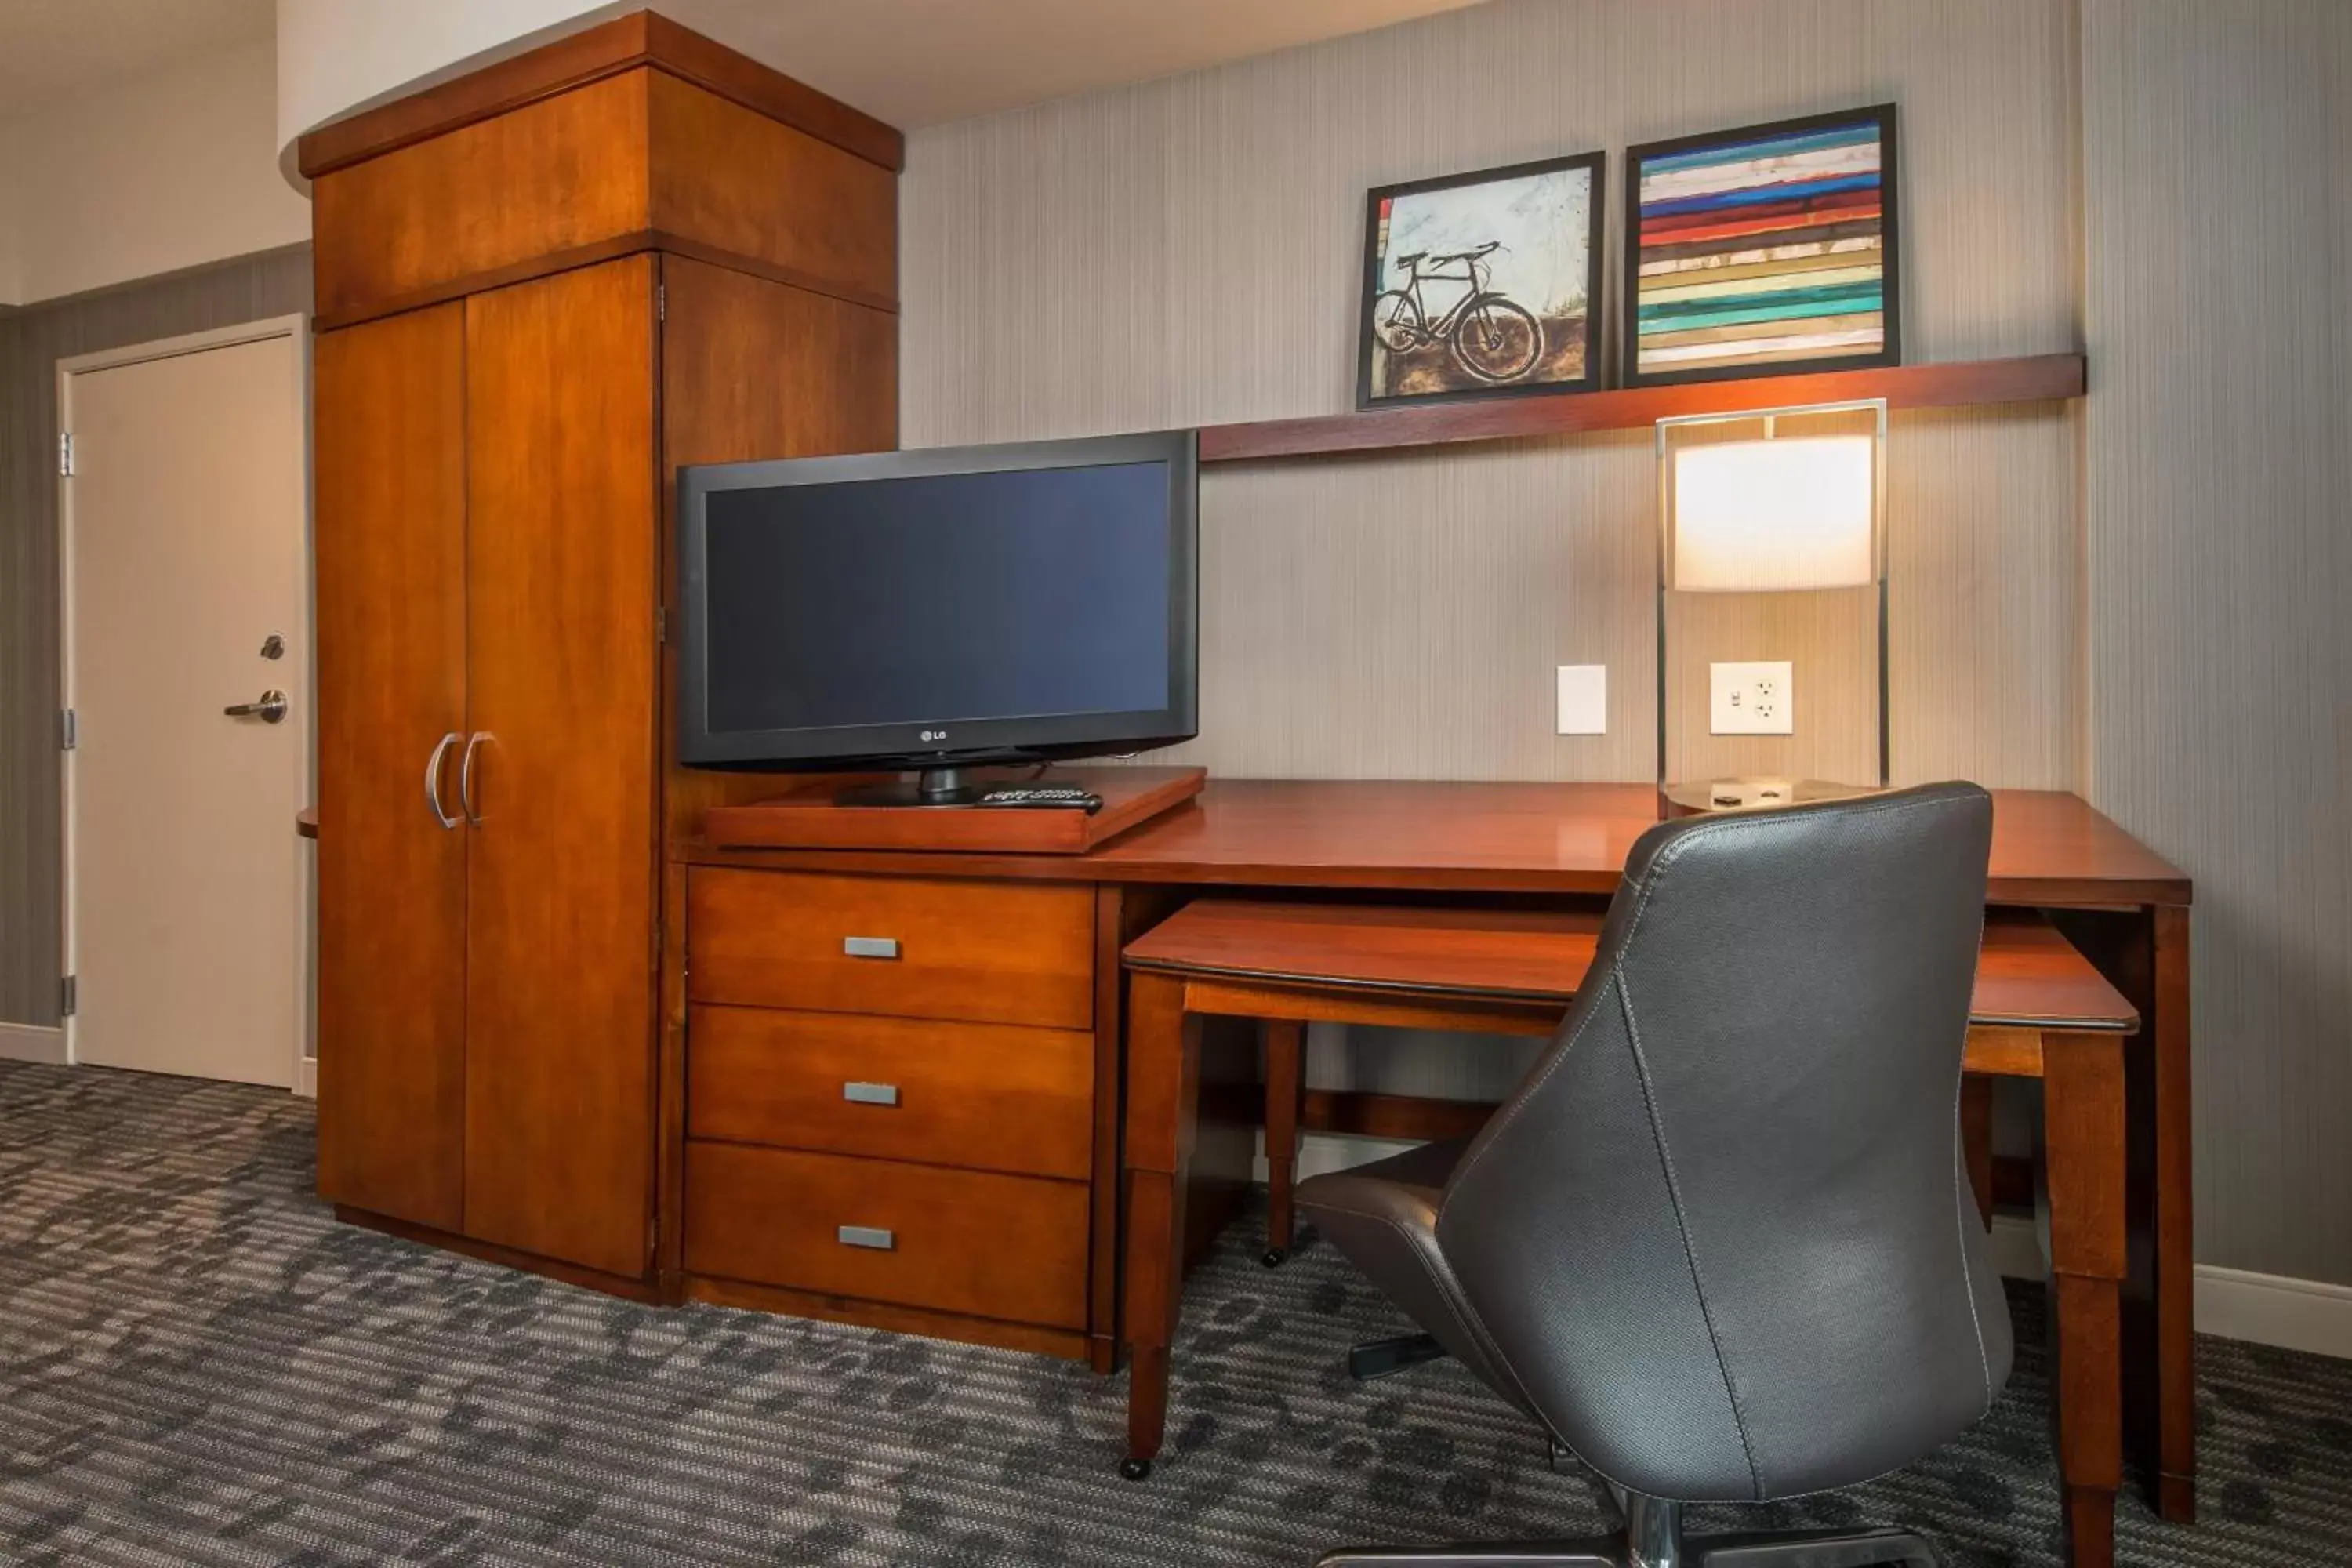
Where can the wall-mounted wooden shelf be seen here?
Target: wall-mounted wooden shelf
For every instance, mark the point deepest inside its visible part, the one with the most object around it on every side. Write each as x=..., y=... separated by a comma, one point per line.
x=2041, y=378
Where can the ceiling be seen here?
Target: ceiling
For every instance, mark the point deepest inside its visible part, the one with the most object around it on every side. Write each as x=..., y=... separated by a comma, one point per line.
x=54, y=50
x=921, y=62
x=909, y=62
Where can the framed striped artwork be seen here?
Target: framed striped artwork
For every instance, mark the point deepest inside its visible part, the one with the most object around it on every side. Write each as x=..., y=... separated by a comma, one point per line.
x=1763, y=251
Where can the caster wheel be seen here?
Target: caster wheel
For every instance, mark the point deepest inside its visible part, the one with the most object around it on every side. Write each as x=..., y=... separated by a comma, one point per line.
x=1273, y=1256
x=1134, y=1469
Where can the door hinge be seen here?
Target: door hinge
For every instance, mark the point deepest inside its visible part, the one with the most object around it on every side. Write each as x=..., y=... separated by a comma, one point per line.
x=68, y=994
x=661, y=623
x=65, y=455
x=68, y=730
x=661, y=301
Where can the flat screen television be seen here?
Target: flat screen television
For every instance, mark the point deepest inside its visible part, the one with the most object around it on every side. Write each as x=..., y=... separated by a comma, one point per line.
x=933, y=609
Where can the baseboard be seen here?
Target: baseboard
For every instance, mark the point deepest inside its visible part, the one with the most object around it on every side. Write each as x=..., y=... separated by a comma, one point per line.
x=2016, y=1245
x=32, y=1042
x=2231, y=1304
x=2270, y=1309
x=2017, y=1248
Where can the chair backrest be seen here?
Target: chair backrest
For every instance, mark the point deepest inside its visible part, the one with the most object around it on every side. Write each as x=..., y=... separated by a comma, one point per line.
x=1721, y=1235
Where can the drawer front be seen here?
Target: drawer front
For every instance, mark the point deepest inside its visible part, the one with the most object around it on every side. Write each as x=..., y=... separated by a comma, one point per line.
x=1011, y=1248
x=991, y=1096
x=908, y=947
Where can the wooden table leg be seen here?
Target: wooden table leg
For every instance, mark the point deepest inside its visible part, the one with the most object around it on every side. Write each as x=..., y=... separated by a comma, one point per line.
x=2084, y=1156
x=1286, y=1073
x=1976, y=1139
x=1155, y=1270
x=2175, y=1246
x=1162, y=1087
x=2144, y=953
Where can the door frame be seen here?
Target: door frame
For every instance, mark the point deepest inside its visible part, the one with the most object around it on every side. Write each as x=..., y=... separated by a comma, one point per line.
x=297, y=328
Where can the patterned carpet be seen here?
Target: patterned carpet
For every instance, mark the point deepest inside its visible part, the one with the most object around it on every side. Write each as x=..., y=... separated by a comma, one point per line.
x=198, y=1366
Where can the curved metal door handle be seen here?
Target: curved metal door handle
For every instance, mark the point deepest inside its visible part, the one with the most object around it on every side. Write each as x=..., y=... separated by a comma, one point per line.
x=270, y=709
x=465, y=775
x=433, y=780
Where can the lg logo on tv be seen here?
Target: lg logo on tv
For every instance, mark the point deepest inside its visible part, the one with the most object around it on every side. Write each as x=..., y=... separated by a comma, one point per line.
x=935, y=734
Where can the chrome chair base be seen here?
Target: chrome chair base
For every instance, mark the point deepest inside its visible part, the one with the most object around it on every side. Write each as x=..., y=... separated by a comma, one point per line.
x=1653, y=1538
x=1384, y=1358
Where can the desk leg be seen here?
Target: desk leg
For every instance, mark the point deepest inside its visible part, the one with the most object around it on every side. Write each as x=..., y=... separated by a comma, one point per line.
x=2083, y=1153
x=2176, y=1249
x=1976, y=1139
x=1155, y=1270
x=1162, y=1084
x=2144, y=953
x=1286, y=1073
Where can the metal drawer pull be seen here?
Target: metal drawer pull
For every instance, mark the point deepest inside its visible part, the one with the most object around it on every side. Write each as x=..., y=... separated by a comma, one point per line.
x=868, y=1235
x=870, y=1093
x=870, y=946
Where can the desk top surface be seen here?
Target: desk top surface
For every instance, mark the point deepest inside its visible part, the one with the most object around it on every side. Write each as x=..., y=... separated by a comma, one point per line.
x=2027, y=973
x=2048, y=847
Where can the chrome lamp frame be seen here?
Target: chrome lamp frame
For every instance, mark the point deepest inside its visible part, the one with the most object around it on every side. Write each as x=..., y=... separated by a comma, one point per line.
x=1770, y=419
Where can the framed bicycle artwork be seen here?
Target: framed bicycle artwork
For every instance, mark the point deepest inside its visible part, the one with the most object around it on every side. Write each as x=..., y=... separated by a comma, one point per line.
x=1483, y=285
x=1763, y=251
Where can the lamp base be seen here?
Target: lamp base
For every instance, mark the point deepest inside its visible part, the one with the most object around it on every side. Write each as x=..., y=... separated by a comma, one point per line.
x=1753, y=795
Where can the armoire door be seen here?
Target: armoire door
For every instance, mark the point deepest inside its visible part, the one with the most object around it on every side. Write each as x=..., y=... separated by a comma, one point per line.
x=561, y=765
x=389, y=550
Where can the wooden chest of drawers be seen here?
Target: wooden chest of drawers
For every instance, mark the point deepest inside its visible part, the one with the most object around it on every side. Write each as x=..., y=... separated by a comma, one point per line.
x=891, y=1101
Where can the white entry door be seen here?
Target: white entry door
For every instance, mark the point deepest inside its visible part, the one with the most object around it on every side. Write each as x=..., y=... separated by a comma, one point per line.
x=186, y=546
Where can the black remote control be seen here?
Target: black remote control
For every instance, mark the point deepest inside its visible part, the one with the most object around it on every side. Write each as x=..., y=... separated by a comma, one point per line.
x=1062, y=795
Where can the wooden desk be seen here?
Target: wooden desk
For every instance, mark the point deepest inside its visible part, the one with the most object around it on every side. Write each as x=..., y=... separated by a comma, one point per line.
x=1563, y=846
x=2039, y=1010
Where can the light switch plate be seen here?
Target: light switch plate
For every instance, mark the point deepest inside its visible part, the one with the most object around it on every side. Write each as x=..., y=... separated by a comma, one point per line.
x=1758, y=698
x=1584, y=700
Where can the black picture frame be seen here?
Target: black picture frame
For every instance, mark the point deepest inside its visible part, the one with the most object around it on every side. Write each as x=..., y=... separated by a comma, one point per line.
x=1595, y=167
x=1889, y=353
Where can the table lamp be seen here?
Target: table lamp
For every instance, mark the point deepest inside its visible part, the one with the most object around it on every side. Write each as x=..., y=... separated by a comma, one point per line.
x=1779, y=513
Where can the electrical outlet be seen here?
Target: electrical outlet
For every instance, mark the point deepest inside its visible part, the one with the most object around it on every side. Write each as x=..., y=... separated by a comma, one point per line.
x=1584, y=700
x=1756, y=698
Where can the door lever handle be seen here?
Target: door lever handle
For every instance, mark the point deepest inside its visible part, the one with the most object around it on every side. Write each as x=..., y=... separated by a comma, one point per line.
x=270, y=709
x=432, y=781
x=465, y=775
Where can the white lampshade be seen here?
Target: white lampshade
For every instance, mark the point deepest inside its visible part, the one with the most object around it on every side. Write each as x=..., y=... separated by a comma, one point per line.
x=1776, y=515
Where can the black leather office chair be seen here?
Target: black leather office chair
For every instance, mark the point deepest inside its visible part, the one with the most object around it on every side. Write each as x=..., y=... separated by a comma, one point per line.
x=1719, y=1243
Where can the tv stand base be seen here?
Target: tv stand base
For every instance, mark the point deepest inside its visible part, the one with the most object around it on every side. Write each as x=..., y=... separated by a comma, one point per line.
x=872, y=816
x=932, y=786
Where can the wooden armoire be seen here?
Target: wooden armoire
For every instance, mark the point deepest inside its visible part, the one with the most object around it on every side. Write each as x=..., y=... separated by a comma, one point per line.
x=540, y=289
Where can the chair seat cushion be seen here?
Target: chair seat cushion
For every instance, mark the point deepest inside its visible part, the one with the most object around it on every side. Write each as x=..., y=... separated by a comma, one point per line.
x=1383, y=1216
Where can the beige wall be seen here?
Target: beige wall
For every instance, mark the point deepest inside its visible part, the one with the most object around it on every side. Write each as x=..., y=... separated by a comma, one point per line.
x=172, y=171
x=31, y=344
x=2218, y=147
x=336, y=57
x=12, y=221
x=2142, y=596
x=1186, y=251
